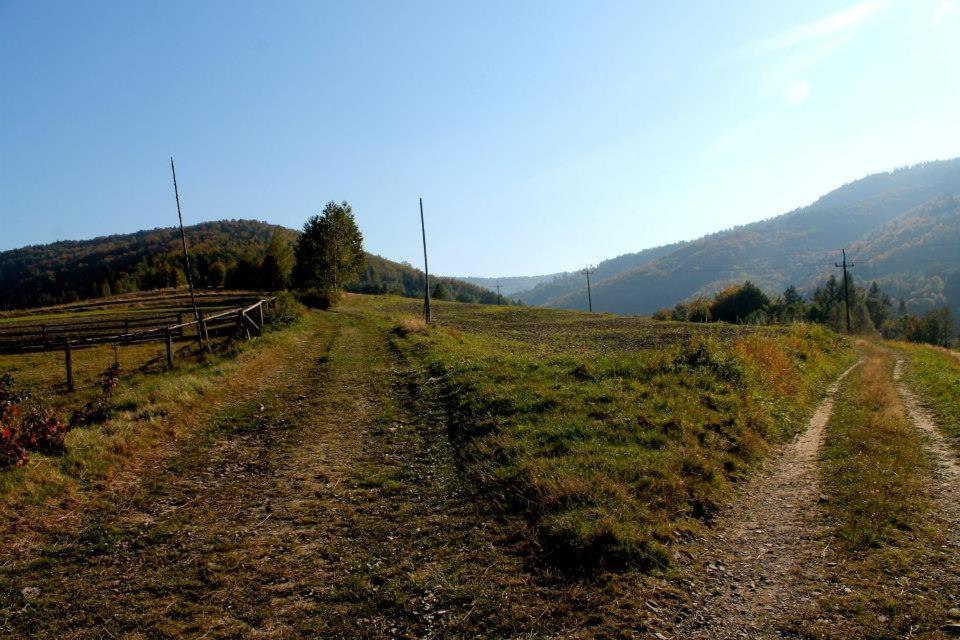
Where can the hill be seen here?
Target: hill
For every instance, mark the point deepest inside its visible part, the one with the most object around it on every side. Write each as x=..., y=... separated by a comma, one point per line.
x=898, y=227
x=225, y=253
x=511, y=284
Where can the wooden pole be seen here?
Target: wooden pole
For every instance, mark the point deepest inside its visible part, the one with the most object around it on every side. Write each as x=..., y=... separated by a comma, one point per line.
x=168, y=338
x=426, y=270
x=587, y=272
x=68, y=361
x=186, y=256
x=260, y=310
x=846, y=287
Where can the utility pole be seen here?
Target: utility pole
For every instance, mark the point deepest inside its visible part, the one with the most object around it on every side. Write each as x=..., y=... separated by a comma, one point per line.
x=426, y=269
x=587, y=272
x=498, y=293
x=846, y=285
x=186, y=258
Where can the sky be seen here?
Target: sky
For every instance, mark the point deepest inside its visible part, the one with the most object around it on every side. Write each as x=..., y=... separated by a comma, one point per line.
x=542, y=136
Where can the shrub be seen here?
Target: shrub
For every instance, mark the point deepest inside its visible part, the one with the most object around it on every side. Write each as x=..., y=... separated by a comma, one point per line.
x=286, y=309
x=318, y=298
x=12, y=453
x=97, y=410
x=42, y=431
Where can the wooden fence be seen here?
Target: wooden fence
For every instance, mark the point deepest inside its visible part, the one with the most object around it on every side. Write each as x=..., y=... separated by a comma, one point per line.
x=239, y=322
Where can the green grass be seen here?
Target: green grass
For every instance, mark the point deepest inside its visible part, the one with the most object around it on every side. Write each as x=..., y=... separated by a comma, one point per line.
x=615, y=435
x=936, y=372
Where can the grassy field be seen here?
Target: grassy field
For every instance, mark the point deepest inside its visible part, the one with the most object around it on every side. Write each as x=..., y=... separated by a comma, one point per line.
x=616, y=436
x=506, y=472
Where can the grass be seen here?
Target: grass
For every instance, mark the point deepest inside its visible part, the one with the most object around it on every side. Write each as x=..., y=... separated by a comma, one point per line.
x=616, y=436
x=937, y=373
x=152, y=410
x=877, y=476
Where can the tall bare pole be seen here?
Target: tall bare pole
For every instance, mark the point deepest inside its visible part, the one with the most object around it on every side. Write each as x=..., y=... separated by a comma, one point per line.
x=846, y=286
x=186, y=257
x=588, y=272
x=426, y=269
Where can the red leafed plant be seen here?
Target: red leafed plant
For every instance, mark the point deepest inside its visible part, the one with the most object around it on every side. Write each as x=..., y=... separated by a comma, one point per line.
x=12, y=451
x=110, y=378
x=97, y=410
x=42, y=431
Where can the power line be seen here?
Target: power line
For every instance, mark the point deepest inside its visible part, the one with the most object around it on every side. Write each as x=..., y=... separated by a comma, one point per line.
x=186, y=258
x=426, y=269
x=846, y=285
x=587, y=272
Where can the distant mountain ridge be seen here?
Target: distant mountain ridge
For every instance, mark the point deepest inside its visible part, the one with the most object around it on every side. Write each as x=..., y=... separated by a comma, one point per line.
x=891, y=223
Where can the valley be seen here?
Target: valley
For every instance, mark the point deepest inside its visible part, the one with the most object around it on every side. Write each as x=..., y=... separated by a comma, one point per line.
x=505, y=472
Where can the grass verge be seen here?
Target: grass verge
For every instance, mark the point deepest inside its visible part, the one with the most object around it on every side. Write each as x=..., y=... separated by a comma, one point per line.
x=614, y=453
x=936, y=372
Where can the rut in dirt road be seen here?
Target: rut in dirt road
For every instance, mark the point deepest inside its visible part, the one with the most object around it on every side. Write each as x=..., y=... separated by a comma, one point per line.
x=946, y=459
x=764, y=546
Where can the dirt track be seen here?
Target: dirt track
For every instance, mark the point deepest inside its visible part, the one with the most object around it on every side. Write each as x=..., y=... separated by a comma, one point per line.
x=762, y=561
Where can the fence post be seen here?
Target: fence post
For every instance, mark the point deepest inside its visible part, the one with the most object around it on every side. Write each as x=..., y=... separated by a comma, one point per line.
x=205, y=333
x=43, y=331
x=169, y=340
x=180, y=322
x=68, y=360
x=126, y=326
x=260, y=309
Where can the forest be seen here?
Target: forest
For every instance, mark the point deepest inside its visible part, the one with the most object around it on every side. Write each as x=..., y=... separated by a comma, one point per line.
x=871, y=311
x=232, y=254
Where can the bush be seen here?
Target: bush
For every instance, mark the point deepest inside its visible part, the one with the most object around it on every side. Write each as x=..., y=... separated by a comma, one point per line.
x=42, y=431
x=12, y=453
x=286, y=309
x=37, y=429
x=97, y=410
x=318, y=298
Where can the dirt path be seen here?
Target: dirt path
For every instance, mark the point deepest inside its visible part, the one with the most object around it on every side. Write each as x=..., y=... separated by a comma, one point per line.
x=948, y=464
x=751, y=572
x=327, y=504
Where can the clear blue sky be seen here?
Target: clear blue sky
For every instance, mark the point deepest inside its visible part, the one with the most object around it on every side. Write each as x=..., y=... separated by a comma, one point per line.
x=541, y=136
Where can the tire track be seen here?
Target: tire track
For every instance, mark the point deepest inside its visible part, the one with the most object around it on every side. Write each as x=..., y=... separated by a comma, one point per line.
x=763, y=557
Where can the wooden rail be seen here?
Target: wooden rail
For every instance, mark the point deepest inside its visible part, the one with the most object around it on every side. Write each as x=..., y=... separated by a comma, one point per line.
x=246, y=321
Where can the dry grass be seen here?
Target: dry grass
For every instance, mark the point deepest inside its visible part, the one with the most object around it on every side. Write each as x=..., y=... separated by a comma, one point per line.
x=884, y=542
x=152, y=411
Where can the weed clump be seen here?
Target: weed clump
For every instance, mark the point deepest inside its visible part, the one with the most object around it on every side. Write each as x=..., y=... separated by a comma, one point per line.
x=406, y=326
x=286, y=309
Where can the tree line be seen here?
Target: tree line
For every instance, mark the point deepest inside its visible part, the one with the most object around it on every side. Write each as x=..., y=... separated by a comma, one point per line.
x=871, y=311
x=228, y=254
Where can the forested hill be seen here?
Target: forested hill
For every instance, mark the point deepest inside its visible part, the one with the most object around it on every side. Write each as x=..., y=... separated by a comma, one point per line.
x=901, y=228
x=240, y=254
